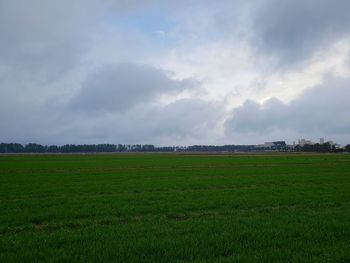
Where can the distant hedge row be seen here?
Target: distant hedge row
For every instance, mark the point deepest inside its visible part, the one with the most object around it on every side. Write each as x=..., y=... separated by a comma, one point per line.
x=86, y=148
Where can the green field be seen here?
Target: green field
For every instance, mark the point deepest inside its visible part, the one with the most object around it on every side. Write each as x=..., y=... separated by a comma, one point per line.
x=175, y=208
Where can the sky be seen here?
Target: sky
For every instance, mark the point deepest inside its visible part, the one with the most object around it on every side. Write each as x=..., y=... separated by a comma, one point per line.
x=170, y=72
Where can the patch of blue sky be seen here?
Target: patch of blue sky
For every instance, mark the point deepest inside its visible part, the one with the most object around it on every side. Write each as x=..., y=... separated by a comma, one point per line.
x=153, y=24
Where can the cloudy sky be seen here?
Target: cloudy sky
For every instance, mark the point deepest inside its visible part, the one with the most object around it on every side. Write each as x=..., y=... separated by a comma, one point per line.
x=174, y=72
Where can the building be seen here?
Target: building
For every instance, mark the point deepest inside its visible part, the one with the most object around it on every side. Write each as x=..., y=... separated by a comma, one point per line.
x=268, y=144
x=303, y=142
x=278, y=145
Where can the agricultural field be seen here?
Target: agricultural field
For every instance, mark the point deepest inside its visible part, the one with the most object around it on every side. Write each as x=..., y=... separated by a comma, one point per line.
x=175, y=208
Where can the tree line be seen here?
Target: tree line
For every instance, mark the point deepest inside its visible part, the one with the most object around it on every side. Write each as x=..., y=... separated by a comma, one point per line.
x=98, y=148
x=325, y=147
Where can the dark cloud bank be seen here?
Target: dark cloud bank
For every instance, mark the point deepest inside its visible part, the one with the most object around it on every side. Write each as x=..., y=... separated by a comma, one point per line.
x=295, y=28
x=117, y=88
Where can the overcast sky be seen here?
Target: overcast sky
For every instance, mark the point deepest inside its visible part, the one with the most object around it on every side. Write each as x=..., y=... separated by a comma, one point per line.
x=174, y=72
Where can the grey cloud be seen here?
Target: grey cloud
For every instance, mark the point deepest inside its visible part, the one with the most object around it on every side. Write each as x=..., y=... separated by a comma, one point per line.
x=293, y=30
x=116, y=88
x=184, y=121
x=322, y=110
x=43, y=38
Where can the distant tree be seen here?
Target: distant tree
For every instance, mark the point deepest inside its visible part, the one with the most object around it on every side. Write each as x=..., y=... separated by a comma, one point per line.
x=53, y=149
x=325, y=147
x=308, y=148
x=347, y=148
x=148, y=148
x=11, y=148
x=34, y=148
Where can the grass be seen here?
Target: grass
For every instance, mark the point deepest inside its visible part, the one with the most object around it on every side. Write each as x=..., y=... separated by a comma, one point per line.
x=175, y=208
